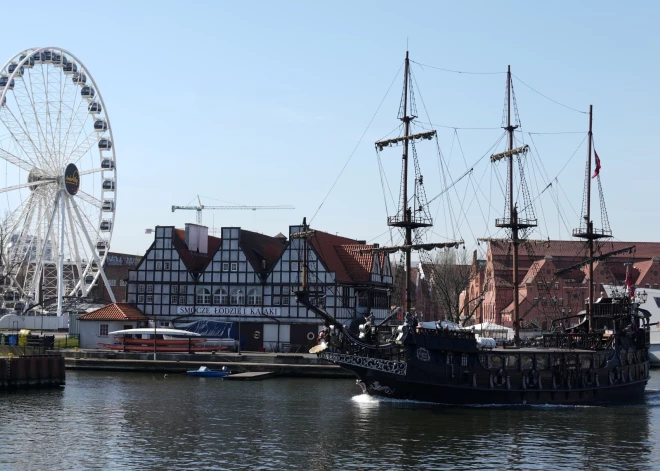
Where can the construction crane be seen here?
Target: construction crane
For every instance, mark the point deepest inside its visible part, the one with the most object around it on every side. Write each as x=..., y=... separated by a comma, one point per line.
x=239, y=206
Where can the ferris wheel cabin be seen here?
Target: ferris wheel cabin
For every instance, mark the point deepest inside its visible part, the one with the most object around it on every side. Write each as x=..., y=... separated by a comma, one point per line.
x=106, y=225
x=105, y=144
x=70, y=68
x=87, y=92
x=94, y=107
x=108, y=184
x=108, y=206
x=29, y=61
x=79, y=77
x=13, y=66
x=5, y=82
x=107, y=164
x=100, y=125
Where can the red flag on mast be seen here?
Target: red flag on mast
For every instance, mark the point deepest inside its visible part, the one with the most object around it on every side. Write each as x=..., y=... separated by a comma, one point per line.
x=597, y=171
x=629, y=284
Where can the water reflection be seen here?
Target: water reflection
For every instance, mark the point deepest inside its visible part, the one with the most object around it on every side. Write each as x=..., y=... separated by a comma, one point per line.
x=134, y=421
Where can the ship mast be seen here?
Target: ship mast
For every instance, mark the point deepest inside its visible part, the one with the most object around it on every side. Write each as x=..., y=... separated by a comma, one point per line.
x=406, y=211
x=513, y=222
x=586, y=230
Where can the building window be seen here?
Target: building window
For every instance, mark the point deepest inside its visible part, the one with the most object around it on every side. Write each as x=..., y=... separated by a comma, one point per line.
x=203, y=296
x=122, y=282
x=553, y=300
x=237, y=297
x=182, y=300
x=254, y=297
x=112, y=282
x=276, y=300
x=536, y=300
x=655, y=285
x=363, y=299
x=285, y=300
x=234, y=266
x=543, y=302
x=173, y=299
x=312, y=266
x=561, y=301
x=159, y=265
x=225, y=266
x=556, y=285
x=167, y=265
x=150, y=298
x=175, y=289
x=182, y=289
x=286, y=290
x=141, y=298
x=150, y=288
x=464, y=360
x=103, y=330
x=220, y=296
x=140, y=288
x=539, y=284
x=648, y=285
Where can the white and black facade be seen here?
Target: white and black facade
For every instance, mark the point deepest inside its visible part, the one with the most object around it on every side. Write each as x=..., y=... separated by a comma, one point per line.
x=251, y=278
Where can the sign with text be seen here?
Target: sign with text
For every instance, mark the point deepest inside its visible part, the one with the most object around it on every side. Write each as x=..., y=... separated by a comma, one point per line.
x=229, y=310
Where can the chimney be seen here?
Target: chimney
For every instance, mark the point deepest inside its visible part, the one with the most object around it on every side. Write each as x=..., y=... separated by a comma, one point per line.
x=197, y=238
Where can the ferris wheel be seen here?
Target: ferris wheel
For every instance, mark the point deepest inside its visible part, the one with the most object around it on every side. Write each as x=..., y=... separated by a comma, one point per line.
x=58, y=179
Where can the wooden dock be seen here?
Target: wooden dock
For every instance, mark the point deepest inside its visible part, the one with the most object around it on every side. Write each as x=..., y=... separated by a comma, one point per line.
x=250, y=376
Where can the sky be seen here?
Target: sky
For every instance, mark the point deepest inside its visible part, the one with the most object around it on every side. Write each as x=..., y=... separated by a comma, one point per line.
x=264, y=103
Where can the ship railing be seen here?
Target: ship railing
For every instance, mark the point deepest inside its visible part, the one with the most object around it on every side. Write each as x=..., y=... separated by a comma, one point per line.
x=611, y=310
x=353, y=346
x=591, y=341
x=446, y=333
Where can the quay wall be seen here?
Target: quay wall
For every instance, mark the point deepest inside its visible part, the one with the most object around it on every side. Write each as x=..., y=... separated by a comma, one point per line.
x=282, y=365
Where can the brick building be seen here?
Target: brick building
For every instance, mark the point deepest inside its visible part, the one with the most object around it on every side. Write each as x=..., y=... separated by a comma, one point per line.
x=116, y=268
x=542, y=295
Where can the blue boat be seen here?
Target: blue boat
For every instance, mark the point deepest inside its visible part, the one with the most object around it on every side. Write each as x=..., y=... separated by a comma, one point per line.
x=204, y=371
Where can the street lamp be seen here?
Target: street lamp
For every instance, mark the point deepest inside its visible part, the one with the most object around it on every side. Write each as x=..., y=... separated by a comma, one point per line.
x=240, y=316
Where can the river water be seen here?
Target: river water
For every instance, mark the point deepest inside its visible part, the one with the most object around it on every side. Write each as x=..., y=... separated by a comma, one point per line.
x=132, y=421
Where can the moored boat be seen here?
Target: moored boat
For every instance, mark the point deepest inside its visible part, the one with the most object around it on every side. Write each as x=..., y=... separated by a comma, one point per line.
x=602, y=357
x=206, y=372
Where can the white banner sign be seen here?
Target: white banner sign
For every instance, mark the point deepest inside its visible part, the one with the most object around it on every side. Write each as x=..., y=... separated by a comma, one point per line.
x=229, y=310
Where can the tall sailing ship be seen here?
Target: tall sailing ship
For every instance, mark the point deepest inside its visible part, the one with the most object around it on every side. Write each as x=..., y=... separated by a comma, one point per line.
x=603, y=358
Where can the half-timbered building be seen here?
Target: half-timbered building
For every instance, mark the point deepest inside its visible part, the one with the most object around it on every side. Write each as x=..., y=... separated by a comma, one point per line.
x=250, y=279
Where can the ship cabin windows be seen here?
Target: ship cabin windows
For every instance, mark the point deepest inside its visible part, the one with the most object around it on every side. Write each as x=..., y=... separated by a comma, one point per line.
x=220, y=297
x=254, y=297
x=464, y=360
x=450, y=358
x=203, y=296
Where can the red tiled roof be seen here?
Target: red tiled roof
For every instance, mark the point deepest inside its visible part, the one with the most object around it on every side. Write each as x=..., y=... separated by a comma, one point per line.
x=194, y=261
x=325, y=246
x=115, y=312
x=259, y=248
x=643, y=268
x=576, y=248
x=357, y=264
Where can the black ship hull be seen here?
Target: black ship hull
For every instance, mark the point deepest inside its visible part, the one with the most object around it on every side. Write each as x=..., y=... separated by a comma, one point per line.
x=441, y=367
x=388, y=386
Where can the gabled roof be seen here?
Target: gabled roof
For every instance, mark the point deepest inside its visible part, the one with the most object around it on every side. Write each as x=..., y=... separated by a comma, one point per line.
x=358, y=264
x=325, y=246
x=195, y=262
x=643, y=268
x=115, y=312
x=260, y=248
